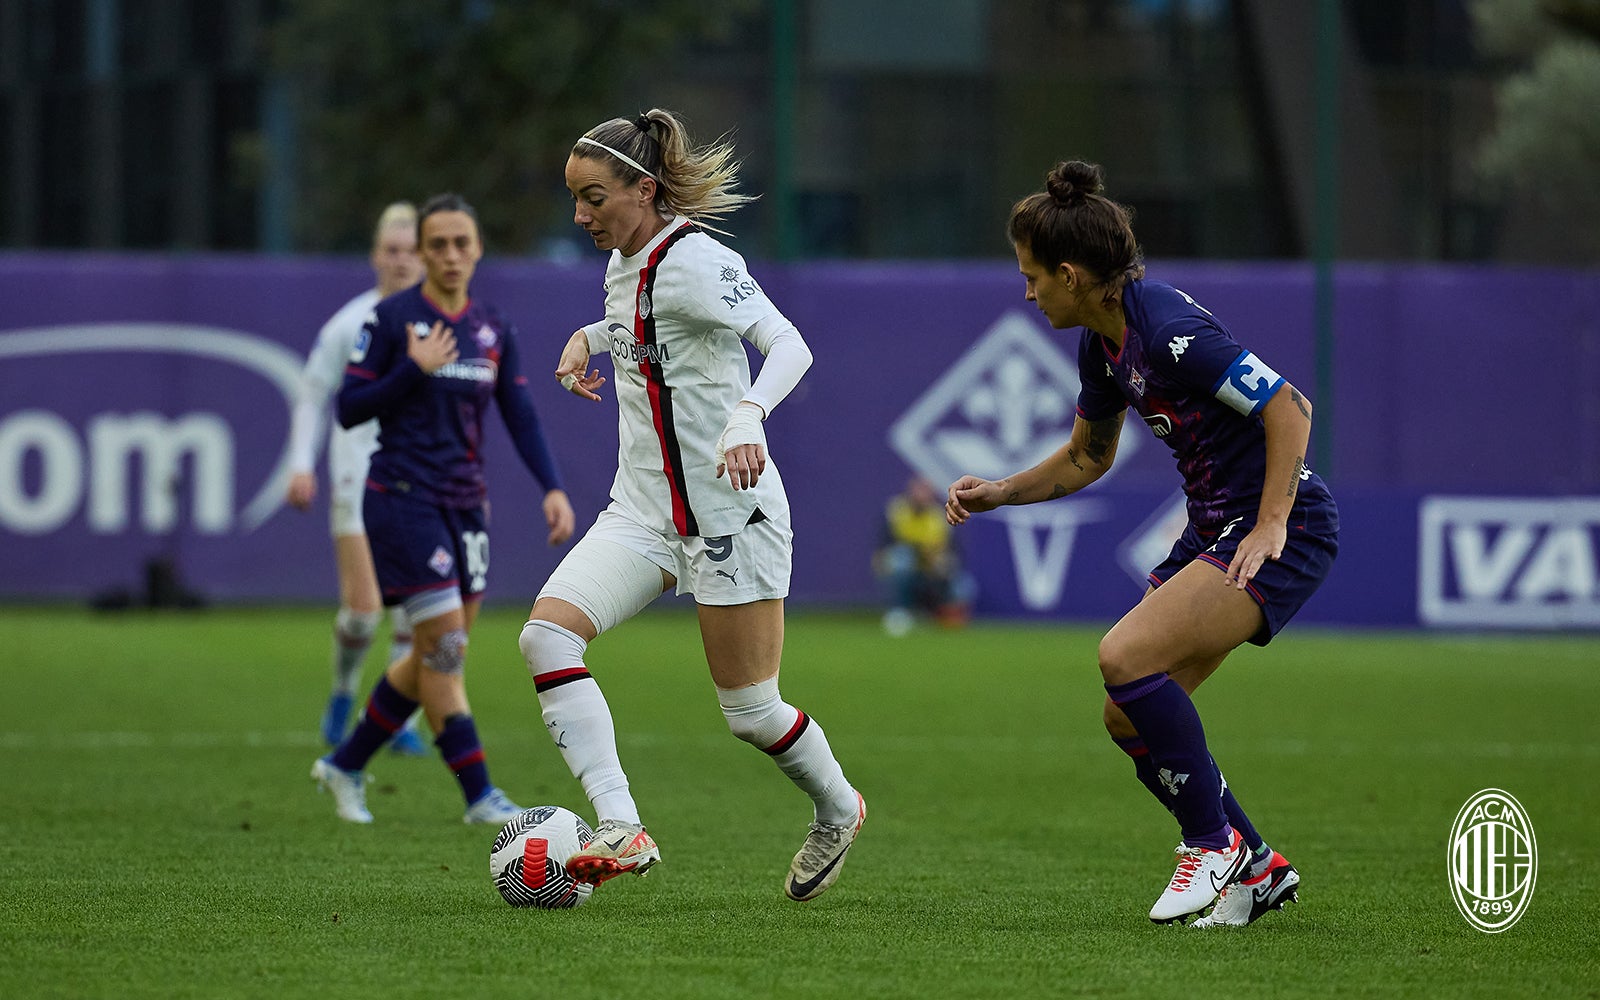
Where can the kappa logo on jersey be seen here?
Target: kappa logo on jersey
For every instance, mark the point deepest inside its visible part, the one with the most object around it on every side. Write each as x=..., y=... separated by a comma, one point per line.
x=441, y=561
x=730, y=274
x=1177, y=345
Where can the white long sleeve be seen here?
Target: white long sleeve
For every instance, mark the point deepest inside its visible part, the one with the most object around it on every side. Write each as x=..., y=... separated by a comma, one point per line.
x=787, y=360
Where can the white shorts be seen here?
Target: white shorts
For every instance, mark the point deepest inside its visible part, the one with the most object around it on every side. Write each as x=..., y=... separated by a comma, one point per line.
x=615, y=569
x=349, y=454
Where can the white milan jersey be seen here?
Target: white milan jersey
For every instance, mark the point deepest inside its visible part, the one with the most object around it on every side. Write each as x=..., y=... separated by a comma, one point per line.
x=675, y=315
x=348, y=449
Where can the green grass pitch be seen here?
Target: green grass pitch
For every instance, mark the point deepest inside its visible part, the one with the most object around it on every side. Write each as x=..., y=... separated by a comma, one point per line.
x=160, y=838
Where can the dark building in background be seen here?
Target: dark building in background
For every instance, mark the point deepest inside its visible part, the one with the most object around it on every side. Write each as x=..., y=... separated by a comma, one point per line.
x=893, y=128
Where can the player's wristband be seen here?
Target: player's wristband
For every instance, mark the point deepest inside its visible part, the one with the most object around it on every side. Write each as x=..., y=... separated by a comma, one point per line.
x=744, y=427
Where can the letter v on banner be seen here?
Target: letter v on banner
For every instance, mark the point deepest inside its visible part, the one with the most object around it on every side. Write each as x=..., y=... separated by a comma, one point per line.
x=1041, y=538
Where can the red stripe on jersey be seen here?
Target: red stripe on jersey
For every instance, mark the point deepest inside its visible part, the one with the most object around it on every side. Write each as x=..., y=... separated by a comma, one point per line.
x=644, y=333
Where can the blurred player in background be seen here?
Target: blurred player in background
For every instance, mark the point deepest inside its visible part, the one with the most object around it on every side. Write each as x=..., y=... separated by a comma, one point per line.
x=696, y=503
x=395, y=265
x=918, y=562
x=427, y=364
x=1262, y=533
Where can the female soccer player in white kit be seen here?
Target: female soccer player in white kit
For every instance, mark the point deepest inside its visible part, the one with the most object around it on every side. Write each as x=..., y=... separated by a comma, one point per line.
x=696, y=503
x=395, y=265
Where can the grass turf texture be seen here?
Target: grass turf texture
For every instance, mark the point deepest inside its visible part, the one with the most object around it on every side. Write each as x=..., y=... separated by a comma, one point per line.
x=160, y=837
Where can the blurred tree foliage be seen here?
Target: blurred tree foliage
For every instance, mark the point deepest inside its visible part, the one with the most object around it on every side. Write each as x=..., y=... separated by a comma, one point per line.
x=480, y=97
x=1545, y=144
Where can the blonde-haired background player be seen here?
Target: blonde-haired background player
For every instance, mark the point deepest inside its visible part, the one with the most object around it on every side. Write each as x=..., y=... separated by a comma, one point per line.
x=395, y=266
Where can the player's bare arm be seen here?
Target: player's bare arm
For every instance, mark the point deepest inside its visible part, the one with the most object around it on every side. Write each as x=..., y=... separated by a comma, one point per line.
x=573, y=371
x=1287, y=421
x=1082, y=460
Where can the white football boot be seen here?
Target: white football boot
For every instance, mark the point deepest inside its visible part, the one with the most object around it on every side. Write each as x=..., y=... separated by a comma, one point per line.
x=817, y=865
x=618, y=848
x=1201, y=876
x=1246, y=901
x=493, y=808
x=348, y=788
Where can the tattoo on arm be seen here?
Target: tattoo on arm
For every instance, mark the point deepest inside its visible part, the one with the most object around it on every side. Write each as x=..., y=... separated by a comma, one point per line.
x=1102, y=435
x=1072, y=456
x=1299, y=471
x=1299, y=401
x=1011, y=497
x=1059, y=492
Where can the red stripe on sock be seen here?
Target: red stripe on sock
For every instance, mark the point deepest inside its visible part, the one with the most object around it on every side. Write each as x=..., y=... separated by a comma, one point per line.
x=474, y=756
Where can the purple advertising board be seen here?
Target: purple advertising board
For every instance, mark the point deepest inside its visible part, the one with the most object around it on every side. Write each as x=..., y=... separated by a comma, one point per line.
x=144, y=410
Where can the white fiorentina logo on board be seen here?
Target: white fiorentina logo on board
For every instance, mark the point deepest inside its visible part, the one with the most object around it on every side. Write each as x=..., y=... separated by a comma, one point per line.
x=1005, y=405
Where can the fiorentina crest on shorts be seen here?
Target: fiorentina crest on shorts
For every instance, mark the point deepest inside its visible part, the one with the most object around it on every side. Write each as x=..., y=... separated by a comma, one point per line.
x=441, y=562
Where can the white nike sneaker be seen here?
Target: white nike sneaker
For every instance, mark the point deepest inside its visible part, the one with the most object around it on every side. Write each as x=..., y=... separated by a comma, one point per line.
x=618, y=848
x=1249, y=899
x=1201, y=876
x=492, y=807
x=822, y=856
x=348, y=788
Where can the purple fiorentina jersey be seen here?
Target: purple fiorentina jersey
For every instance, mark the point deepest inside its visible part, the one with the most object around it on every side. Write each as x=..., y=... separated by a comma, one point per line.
x=1198, y=391
x=430, y=437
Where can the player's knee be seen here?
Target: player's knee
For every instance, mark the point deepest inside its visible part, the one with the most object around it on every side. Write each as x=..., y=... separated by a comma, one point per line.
x=757, y=714
x=356, y=625
x=449, y=653
x=1120, y=662
x=547, y=647
x=1117, y=723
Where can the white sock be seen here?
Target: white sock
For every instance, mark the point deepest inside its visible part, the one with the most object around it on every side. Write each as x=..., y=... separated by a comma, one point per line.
x=795, y=741
x=352, y=636
x=577, y=717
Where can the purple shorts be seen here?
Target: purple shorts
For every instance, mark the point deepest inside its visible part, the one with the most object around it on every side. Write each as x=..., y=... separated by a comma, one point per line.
x=419, y=547
x=1282, y=585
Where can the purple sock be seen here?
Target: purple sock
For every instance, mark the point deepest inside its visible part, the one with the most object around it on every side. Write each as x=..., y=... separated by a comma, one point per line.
x=463, y=755
x=1237, y=819
x=1145, y=768
x=1169, y=725
x=387, y=710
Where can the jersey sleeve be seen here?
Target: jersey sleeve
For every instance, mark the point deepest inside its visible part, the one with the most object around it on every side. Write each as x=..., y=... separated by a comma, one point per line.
x=1192, y=350
x=1099, y=396
x=720, y=292
x=379, y=371
x=320, y=378
x=521, y=419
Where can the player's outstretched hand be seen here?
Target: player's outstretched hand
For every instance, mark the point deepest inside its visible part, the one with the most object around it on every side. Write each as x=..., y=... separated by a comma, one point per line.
x=558, y=515
x=1264, y=542
x=970, y=495
x=434, y=349
x=574, y=362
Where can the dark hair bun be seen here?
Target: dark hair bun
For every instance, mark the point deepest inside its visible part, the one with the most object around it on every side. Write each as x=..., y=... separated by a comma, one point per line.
x=1071, y=182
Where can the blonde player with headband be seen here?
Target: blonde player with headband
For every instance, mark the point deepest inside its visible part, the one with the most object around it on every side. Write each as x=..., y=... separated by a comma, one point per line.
x=696, y=503
x=395, y=265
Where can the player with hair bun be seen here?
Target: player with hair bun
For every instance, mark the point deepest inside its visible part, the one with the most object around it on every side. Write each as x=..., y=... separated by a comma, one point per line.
x=696, y=503
x=1260, y=521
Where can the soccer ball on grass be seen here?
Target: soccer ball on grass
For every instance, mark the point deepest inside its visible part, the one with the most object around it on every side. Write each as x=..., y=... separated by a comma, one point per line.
x=528, y=861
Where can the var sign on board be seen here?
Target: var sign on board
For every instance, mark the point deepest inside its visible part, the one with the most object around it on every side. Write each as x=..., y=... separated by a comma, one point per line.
x=1509, y=562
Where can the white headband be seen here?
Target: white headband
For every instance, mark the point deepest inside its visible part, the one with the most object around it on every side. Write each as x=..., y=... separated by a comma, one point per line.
x=630, y=161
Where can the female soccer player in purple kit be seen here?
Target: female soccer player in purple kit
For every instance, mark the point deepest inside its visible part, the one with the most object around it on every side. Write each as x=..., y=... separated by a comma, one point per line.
x=427, y=364
x=1258, y=516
